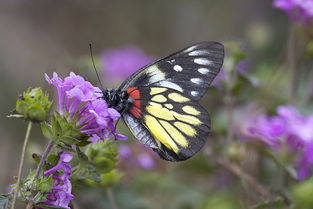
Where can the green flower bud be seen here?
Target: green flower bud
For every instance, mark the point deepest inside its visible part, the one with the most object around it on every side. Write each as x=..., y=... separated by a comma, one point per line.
x=33, y=104
x=107, y=179
x=103, y=155
x=302, y=194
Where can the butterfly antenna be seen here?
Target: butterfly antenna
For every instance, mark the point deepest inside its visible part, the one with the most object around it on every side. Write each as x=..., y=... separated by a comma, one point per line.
x=94, y=66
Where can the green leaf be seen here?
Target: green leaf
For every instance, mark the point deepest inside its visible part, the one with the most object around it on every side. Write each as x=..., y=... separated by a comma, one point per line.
x=4, y=201
x=45, y=184
x=83, y=143
x=46, y=130
x=69, y=140
x=53, y=159
x=55, y=128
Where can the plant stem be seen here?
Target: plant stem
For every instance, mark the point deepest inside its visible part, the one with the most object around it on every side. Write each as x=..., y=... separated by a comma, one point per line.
x=29, y=127
x=230, y=116
x=40, y=165
x=291, y=64
x=43, y=158
x=308, y=95
x=246, y=177
x=111, y=198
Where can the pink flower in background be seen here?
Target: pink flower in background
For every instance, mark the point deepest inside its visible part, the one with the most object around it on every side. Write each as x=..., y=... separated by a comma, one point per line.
x=137, y=155
x=268, y=129
x=297, y=10
x=121, y=62
x=288, y=128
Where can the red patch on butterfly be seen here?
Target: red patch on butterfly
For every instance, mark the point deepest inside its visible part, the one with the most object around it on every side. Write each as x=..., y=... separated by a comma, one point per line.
x=134, y=93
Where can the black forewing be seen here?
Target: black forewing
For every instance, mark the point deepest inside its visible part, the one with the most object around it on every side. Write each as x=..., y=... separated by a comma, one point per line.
x=190, y=70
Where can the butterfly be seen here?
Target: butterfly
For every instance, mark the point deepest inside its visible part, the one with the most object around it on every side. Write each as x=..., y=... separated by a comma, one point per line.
x=159, y=102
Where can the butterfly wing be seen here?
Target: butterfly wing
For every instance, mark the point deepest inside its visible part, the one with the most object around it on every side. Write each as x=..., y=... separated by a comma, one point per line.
x=175, y=126
x=165, y=115
x=189, y=71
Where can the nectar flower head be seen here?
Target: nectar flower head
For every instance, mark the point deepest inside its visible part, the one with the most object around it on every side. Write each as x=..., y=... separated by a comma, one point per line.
x=121, y=62
x=60, y=194
x=80, y=105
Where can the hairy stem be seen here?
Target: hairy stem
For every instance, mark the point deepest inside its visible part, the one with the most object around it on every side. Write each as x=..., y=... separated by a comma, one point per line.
x=39, y=168
x=29, y=127
x=112, y=199
x=43, y=158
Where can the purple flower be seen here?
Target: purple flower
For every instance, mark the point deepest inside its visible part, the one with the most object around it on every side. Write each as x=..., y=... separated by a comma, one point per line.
x=136, y=155
x=81, y=102
x=268, y=129
x=297, y=10
x=305, y=162
x=298, y=126
x=121, y=62
x=124, y=151
x=288, y=128
x=145, y=161
x=60, y=194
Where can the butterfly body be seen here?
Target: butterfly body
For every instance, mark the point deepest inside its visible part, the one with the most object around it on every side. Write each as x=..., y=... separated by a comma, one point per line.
x=159, y=102
x=117, y=99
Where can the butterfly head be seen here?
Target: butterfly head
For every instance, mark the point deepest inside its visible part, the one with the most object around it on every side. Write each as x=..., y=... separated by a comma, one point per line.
x=116, y=99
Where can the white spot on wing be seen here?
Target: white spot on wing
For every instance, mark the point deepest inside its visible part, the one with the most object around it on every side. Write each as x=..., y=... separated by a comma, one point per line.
x=203, y=70
x=194, y=93
x=196, y=80
x=202, y=61
x=170, y=85
x=191, y=48
x=177, y=68
x=198, y=53
x=156, y=74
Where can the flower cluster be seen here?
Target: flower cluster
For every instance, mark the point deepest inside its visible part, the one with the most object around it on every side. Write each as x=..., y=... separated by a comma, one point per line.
x=121, y=62
x=60, y=195
x=136, y=155
x=298, y=10
x=287, y=128
x=80, y=102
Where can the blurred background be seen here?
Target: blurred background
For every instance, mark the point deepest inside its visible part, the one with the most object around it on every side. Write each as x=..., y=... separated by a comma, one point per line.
x=38, y=37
